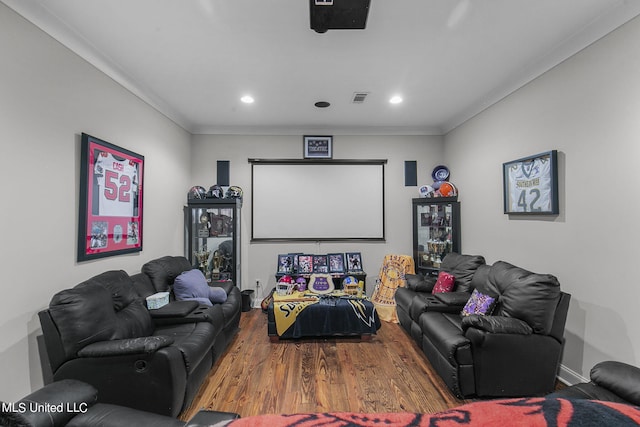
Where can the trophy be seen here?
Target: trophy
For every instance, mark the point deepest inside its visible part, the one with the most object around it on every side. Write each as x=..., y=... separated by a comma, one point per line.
x=202, y=256
x=217, y=261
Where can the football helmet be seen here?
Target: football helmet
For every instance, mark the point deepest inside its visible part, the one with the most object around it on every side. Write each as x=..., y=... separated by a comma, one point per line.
x=215, y=192
x=349, y=280
x=447, y=189
x=196, y=192
x=426, y=191
x=234, y=192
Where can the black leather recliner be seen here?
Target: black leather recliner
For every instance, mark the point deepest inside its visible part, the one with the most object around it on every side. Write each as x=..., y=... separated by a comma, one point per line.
x=611, y=381
x=101, y=332
x=74, y=403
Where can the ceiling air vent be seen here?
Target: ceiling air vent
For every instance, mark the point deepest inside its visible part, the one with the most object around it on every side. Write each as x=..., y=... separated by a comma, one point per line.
x=359, y=97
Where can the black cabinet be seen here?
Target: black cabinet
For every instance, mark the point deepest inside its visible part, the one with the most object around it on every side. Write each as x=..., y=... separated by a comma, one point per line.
x=436, y=231
x=212, y=237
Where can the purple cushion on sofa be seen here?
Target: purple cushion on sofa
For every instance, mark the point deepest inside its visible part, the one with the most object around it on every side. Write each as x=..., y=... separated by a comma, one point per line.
x=478, y=303
x=217, y=294
x=192, y=285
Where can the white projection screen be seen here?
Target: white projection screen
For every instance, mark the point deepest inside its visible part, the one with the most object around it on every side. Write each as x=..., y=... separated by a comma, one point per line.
x=315, y=200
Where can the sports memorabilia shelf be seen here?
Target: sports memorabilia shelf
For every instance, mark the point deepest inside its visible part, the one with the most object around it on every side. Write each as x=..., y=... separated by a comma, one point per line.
x=212, y=237
x=337, y=266
x=436, y=231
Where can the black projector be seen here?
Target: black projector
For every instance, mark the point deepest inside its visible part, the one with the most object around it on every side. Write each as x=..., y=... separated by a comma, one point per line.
x=338, y=14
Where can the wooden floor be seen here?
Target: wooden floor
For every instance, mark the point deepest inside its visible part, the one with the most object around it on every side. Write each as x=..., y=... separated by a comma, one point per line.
x=387, y=374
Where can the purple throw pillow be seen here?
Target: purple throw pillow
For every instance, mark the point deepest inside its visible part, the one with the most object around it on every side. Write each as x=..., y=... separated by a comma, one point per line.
x=479, y=303
x=192, y=285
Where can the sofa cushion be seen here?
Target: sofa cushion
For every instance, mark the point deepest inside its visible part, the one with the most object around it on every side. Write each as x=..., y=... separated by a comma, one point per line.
x=479, y=303
x=82, y=315
x=132, y=318
x=444, y=332
x=163, y=271
x=528, y=296
x=444, y=283
x=463, y=268
x=419, y=283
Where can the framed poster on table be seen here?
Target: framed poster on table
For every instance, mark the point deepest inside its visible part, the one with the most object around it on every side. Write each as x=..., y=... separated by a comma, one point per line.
x=336, y=263
x=531, y=185
x=354, y=262
x=111, y=188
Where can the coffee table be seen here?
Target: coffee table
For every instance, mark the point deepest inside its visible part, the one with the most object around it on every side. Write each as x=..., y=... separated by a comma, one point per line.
x=303, y=315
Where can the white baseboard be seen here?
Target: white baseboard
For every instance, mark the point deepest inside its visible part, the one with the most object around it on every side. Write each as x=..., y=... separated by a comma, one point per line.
x=570, y=377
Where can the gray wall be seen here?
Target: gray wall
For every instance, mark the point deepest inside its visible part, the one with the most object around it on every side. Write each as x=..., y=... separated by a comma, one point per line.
x=259, y=259
x=48, y=97
x=588, y=108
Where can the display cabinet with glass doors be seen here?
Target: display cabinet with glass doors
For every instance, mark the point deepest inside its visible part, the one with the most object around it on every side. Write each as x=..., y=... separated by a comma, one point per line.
x=436, y=232
x=212, y=238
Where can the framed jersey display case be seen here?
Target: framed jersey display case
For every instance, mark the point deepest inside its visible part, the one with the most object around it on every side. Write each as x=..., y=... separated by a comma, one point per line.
x=111, y=182
x=531, y=185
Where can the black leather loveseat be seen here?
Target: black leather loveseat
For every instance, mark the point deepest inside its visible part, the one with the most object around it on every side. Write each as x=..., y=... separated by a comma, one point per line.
x=101, y=332
x=73, y=403
x=513, y=351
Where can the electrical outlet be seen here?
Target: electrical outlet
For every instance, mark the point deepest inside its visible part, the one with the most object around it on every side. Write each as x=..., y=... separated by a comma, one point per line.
x=257, y=283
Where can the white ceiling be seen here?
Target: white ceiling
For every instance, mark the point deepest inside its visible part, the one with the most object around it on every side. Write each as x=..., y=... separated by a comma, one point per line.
x=448, y=59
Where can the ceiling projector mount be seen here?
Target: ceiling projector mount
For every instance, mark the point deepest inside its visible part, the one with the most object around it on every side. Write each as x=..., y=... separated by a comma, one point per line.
x=338, y=14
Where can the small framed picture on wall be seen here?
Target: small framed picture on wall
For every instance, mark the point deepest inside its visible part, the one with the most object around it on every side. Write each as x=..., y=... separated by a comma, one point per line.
x=318, y=147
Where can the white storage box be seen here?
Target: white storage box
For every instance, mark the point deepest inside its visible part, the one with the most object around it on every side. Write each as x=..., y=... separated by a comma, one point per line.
x=157, y=300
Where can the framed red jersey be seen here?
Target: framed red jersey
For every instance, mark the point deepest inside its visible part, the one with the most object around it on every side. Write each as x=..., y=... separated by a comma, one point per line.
x=111, y=183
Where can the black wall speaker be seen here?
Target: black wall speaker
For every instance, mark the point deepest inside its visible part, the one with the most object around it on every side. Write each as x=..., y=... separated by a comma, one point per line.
x=410, y=173
x=223, y=173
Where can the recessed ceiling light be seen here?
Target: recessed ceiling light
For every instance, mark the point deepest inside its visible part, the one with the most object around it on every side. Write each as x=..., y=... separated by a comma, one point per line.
x=322, y=104
x=247, y=99
x=395, y=99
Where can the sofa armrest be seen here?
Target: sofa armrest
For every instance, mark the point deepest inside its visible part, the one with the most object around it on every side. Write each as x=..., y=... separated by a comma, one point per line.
x=70, y=396
x=457, y=299
x=620, y=378
x=496, y=324
x=126, y=346
x=174, y=309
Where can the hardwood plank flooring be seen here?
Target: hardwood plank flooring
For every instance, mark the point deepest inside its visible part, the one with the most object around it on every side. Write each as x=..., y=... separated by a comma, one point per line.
x=389, y=373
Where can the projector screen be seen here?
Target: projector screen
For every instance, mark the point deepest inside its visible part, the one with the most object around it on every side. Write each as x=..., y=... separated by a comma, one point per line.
x=316, y=200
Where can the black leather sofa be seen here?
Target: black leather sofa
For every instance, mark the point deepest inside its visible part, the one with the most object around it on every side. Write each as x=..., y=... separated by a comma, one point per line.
x=611, y=381
x=158, y=276
x=74, y=403
x=102, y=333
x=515, y=351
